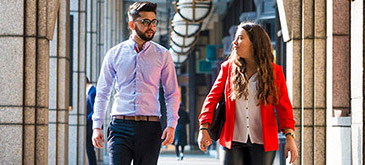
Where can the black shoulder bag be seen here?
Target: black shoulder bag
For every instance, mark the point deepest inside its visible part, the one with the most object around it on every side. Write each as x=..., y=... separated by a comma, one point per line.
x=219, y=118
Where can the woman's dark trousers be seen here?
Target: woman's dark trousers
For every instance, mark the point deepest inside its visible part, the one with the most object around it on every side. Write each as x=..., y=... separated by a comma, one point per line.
x=248, y=154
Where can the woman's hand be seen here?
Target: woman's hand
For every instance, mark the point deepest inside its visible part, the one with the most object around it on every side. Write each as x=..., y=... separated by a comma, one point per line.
x=290, y=146
x=204, y=140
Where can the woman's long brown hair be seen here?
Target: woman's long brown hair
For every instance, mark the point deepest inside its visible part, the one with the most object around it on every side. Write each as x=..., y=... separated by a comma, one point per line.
x=262, y=49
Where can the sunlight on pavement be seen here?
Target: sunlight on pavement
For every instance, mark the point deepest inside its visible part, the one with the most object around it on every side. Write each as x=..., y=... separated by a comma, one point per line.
x=189, y=159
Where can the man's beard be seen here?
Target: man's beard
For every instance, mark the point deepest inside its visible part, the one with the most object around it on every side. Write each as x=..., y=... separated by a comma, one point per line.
x=143, y=36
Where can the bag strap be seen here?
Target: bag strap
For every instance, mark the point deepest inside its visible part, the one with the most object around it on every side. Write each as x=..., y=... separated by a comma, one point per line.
x=225, y=84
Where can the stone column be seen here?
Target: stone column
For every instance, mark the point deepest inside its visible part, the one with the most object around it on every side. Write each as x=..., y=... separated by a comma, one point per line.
x=108, y=43
x=91, y=41
x=108, y=14
x=357, y=81
x=306, y=75
x=119, y=20
x=113, y=23
x=25, y=32
x=100, y=35
x=319, y=82
x=58, y=88
x=77, y=117
x=91, y=47
x=291, y=24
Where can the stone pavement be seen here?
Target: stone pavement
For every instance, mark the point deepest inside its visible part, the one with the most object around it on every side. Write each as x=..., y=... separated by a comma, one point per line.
x=189, y=159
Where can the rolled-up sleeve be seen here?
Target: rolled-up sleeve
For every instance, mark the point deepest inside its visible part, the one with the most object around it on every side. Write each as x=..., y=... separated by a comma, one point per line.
x=105, y=82
x=171, y=90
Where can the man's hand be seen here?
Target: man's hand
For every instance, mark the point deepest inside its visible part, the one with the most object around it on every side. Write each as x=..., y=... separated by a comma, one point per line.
x=204, y=140
x=97, y=136
x=168, y=134
x=290, y=146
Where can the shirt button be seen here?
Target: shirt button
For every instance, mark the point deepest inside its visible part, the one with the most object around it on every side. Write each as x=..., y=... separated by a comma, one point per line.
x=247, y=117
x=246, y=107
x=248, y=127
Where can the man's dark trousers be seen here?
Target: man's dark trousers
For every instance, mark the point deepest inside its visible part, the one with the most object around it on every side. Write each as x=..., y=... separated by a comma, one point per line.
x=129, y=140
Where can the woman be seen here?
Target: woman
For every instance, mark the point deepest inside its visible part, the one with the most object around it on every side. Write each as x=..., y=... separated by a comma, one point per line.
x=180, y=133
x=253, y=86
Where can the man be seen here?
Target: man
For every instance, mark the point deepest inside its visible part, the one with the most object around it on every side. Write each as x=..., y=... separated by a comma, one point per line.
x=137, y=65
x=90, y=99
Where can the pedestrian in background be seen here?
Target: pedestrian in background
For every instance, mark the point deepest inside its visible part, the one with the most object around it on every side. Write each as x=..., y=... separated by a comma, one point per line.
x=180, y=133
x=137, y=65
x=90, y=99
x=252, y=86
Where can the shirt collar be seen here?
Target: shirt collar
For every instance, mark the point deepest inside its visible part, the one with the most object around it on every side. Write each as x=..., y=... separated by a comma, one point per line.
x=253, y=78
x=133, y=43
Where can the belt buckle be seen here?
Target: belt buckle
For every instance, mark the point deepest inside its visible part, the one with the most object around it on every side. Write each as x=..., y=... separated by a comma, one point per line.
x=136, y=118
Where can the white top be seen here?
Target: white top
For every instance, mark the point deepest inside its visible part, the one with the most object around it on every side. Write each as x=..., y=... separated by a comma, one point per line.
x=248, y=116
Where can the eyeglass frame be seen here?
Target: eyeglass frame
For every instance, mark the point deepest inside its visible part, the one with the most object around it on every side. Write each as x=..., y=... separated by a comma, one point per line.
x=148, y=23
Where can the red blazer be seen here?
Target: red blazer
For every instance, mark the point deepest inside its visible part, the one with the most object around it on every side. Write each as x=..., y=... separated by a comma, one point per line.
x=269, y=123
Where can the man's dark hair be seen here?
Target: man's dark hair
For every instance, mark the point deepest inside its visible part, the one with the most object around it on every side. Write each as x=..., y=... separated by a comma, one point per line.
x=135, y=8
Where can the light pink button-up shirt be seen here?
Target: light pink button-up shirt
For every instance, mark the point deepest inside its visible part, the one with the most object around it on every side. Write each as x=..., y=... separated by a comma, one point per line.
x=137, y=76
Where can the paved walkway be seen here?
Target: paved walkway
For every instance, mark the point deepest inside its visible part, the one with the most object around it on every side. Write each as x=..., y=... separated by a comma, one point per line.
x=168, y=157
x=189, y=159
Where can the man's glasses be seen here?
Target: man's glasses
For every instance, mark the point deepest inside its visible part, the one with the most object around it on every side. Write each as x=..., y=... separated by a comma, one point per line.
x=147, y=22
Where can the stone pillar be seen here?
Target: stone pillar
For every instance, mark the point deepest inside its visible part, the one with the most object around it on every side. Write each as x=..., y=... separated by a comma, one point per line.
x=58, y=88
x=363, y=83
x=357, y=81
x=305, y=23
x=291, y=24
x=25, y=32
x=107, y=25
x=91, y=47
x=338, y=83
x=123, y=27
x=77, y=117
x=108, y=43
x=91, y=41
x=113, y=23
x=100, y=35
x=120, y=21
x=192, y=93
x=319, y=82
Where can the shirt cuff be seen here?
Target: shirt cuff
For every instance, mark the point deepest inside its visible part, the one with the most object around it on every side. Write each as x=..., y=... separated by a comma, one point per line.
x=97, y=124
x=172, y=123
